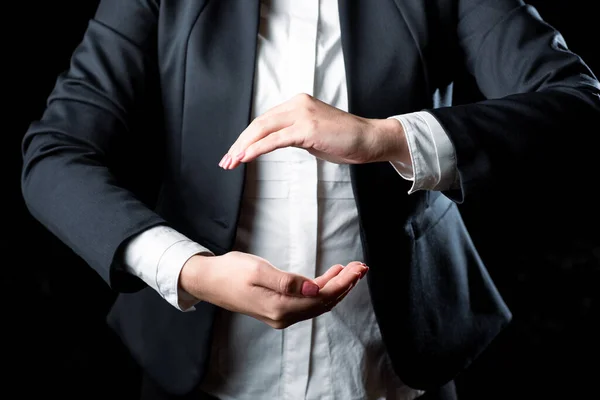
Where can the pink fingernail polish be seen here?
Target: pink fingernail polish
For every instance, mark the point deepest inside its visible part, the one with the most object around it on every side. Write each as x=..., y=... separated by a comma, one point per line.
x=309, y=289
x=222, y=161
x=228, y=162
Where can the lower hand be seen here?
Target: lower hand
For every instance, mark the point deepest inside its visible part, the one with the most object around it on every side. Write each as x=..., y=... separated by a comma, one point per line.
x=248, y=284
x=324, y=131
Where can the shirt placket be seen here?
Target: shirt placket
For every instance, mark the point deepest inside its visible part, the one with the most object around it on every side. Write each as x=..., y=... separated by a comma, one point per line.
x=302, y=196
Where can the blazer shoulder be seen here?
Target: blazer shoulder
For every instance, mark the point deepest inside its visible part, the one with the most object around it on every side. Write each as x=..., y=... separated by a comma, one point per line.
x=174, y=13
x=134, y=20
x=141, y=21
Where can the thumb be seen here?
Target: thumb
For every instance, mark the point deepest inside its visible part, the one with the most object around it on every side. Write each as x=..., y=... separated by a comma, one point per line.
x=286, y=283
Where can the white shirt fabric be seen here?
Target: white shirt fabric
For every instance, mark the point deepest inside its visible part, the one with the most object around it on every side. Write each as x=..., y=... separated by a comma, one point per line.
x=299, y=213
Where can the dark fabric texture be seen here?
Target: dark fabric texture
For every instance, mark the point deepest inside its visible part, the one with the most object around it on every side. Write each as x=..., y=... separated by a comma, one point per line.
x=193, y=63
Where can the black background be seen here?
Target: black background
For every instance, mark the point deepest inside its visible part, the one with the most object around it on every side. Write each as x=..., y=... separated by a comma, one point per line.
x=544, y=255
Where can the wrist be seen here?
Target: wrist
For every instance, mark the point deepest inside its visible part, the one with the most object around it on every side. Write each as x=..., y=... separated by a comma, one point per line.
x=391, y=141
x=195, y=276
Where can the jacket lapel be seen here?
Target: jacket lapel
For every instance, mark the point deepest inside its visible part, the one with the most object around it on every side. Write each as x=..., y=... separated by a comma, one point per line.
x=218, y=97
x=386, y=77
x=384, y=66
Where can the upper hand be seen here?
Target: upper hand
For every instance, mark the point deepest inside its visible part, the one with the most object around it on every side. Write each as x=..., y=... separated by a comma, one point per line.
x=324, y=131
x=244, y=283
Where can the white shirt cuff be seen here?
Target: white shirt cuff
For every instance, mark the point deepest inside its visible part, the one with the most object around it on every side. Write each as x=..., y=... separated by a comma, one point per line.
x=431, y=152
x=157, y=256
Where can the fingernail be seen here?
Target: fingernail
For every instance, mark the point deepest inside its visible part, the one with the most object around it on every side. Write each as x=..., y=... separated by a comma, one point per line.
x=364, y=272
x=228, y=162
x=309, y=289
x=222, y=161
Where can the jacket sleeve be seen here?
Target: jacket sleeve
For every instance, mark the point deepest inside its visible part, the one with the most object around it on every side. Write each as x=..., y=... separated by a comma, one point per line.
x=540, y=99
x=70, y=180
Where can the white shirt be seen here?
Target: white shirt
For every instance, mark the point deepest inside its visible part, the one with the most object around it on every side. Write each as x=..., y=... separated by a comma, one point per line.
x=299, y=213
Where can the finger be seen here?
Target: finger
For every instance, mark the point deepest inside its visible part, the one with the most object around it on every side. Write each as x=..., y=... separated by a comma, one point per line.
x=258, y=129
x=261, y=127
x=332, y=303
x=339, y=284
x=293, y=309
x=354, y=265
x=287, y=105
x=328, y=275
x=286, y=137
x=297, y=308
x=343, y=295
x=285, y=283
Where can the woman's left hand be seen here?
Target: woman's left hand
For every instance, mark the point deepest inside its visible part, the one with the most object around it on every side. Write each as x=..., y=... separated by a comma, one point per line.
x=324, y=131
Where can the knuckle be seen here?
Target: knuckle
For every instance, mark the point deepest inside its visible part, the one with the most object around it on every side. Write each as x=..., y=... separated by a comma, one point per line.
x=254, y=271
x=286, y=284
x=304, y=98
x=306, y=116
x=259, y=123
x=275, y=138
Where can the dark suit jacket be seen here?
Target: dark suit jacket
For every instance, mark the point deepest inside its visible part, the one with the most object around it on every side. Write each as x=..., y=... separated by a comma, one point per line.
x=435, y=303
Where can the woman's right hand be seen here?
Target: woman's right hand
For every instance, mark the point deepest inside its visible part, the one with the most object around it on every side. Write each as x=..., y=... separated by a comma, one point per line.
x=248, y=284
